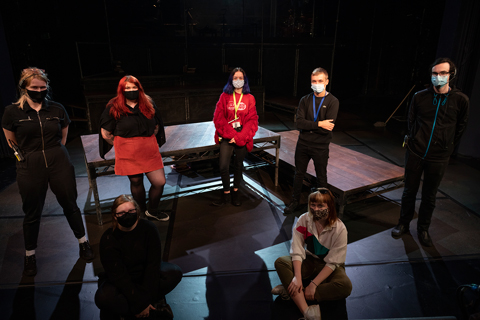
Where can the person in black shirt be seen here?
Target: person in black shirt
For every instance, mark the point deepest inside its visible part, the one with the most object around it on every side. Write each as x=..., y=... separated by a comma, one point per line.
x=39, y=128
x=437, y=119
x=132, y=123
x=136, y=279
x=316, y=116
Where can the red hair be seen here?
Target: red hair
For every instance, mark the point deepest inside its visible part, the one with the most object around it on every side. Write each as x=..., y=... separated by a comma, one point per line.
x=321, y=196
x=119, y=107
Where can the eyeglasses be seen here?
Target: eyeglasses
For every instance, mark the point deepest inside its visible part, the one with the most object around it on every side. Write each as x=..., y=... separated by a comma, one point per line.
x=121, y=213
x=443, y=73
x=323, y=190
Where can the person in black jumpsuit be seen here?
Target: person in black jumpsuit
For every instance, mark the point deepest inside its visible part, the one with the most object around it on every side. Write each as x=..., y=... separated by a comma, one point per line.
x=136, y=279
x=39, y=127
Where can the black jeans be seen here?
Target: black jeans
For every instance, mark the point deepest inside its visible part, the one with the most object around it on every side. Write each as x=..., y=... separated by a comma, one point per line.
x=303, y=154
x=110, y=299
x=33, y=178
x=432, y=176
x=226, y=151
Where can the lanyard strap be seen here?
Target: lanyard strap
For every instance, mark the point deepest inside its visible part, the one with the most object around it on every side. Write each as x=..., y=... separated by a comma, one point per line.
x=235, y=103
x=433, y=128
x=315, y=113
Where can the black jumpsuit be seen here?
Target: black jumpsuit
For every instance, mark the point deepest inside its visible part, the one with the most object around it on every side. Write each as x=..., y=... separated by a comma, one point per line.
x=47, y=162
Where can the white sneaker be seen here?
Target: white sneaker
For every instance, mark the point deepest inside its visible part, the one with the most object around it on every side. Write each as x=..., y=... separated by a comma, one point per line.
x=281, y=291
x=313, y=313
x=160, y=216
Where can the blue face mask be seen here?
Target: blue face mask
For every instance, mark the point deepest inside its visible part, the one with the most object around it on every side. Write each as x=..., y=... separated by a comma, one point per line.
x=439, y=81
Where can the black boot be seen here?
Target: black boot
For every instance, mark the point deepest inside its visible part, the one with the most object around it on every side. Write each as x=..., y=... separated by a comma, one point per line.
x=236, y=198
x=30, y=266
x=224, y=199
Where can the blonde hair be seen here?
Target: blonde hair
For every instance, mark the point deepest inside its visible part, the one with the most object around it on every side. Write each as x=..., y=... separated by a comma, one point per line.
x=26, y=77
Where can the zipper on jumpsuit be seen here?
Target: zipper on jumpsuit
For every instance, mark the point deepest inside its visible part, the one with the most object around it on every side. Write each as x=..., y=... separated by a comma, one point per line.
x=43, y=141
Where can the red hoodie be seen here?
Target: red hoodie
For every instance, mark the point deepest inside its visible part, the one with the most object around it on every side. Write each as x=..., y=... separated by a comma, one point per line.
x=225, y=112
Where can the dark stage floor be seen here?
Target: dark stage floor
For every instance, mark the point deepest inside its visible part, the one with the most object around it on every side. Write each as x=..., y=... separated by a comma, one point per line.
x=227, y=254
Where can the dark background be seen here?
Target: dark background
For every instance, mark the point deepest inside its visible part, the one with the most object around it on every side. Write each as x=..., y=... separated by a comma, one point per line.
x=375, y=51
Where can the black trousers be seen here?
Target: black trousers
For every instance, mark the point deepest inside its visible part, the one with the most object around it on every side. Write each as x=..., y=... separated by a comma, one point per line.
x=432, y=176
x=226, y=151
x=109, y=298
x=303, y=154
x=34, y=177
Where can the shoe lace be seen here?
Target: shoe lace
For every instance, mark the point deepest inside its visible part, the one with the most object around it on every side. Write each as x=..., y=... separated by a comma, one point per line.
x=30, y=260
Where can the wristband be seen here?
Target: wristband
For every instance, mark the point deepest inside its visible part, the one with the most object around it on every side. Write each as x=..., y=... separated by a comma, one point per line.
x=314, y=283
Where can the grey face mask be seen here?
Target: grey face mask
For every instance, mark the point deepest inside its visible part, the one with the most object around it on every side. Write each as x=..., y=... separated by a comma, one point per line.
x=238, y=83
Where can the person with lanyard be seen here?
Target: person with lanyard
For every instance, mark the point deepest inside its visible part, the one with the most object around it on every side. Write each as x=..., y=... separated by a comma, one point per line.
x=36, y=128
x=236, y=122
x=316, y=116
x=133, y=125
x=315, y=269
x=135, y=280
x=437, y=119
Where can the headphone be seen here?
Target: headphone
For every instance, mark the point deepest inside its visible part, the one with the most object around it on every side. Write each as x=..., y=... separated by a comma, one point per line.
x=454, y=74
x=22, y=84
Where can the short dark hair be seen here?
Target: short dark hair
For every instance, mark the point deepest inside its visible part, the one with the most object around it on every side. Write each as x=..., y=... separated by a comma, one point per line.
x=320, y=70
x=452, y=70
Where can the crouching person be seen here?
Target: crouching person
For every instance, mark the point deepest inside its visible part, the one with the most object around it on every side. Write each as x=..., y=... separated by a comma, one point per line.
x=136, y=280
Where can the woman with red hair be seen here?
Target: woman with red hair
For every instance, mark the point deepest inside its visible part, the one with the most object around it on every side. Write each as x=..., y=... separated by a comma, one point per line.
x=133, y=125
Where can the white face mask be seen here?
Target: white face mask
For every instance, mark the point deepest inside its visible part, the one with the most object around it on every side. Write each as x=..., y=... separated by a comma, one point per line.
x=318, y=88
x=238, y=83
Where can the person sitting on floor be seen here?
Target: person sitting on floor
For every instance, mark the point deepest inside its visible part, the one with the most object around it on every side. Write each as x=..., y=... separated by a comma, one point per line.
x=136, y=280
x=317, y=272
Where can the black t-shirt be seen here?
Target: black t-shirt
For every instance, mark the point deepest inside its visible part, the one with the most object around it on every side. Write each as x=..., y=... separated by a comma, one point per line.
x=130, y=125
x=30, y=126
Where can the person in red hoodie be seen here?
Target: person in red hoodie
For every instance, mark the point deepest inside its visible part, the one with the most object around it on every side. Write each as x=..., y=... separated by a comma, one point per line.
x=236, y=122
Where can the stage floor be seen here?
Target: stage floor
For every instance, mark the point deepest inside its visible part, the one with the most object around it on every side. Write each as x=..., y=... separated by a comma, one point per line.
x=227, y=254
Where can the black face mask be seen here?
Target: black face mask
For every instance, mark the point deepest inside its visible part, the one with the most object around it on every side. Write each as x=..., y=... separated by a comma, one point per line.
x=127, y=220
x=37, y=96
x=131, y=95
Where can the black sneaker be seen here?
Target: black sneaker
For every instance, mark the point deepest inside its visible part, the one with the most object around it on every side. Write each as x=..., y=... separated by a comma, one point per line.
x=399, y=230
x=160, y=216
x=30, y=266
x=291, y=207
x=86, y=252
x=424, y=238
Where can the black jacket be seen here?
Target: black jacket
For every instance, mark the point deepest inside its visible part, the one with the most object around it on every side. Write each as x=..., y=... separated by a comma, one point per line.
x=434, y=134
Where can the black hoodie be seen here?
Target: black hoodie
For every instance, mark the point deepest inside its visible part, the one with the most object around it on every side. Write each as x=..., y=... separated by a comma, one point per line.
x=433, y=134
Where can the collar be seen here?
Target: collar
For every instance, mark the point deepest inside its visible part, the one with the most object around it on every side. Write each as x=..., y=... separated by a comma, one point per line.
x=27, y=108
x=312, y=226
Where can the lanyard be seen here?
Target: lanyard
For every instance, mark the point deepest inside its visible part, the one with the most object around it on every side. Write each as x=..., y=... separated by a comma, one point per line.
x=235, y=103
x=315, y=113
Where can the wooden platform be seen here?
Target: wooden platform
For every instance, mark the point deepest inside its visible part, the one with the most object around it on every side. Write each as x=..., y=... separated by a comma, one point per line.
x=351, y=175
x=185, y=143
